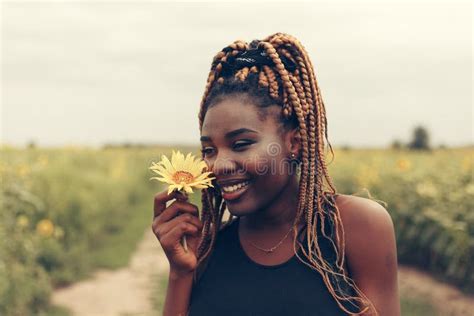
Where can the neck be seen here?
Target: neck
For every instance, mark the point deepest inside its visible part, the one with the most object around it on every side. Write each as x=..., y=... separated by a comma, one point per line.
x=277, y=216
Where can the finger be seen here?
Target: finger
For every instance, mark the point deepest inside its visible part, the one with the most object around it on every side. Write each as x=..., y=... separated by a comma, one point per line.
x=180, y=196
x=178, y=207
x=160, y=201
x=175, y=234
x=161, y=229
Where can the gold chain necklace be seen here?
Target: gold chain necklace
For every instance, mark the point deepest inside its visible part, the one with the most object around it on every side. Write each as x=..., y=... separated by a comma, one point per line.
x=274, y=247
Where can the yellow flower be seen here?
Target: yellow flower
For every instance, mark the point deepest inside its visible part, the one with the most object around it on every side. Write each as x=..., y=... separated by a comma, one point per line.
x=467, y=163
x=427, y=188
x=182, y=173
x=118, y=168
x=470, y=189
x=43, y=161
x=58, y=232
x=403, y=164
x=23, y=170
x=45, y=227
x=22, y=221
x=367, y=176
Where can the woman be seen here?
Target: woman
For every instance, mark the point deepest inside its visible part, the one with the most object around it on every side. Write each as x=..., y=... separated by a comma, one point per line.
x=291, y=246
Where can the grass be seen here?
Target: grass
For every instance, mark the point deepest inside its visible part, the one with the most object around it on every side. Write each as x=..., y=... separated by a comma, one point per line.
x=100, y=202
x=56, y=311
x=119, y=247
x=416, y=306
x=160, y=283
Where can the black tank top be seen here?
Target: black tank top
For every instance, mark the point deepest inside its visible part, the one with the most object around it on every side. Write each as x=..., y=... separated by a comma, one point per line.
x=233, y=284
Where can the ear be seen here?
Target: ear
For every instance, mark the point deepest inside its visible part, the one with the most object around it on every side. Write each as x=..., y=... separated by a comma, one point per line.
x=293, y=142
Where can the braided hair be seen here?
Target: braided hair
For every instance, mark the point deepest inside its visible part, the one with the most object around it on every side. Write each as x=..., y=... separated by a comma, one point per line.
x=278, y=71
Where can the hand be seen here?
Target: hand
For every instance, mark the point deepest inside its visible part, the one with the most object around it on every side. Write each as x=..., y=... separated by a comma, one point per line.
x=170, y=224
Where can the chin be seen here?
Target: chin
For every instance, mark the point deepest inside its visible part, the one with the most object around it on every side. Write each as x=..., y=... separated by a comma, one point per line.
x=239, y=211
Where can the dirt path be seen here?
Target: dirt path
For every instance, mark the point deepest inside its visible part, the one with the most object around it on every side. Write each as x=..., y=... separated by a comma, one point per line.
x=120, y=292
x=448, y=300
x=128, y=291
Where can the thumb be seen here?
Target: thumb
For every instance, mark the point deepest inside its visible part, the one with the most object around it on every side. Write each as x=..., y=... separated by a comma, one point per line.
x=180, y=196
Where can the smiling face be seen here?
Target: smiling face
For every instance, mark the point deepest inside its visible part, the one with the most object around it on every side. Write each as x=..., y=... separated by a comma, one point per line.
x=241, y=145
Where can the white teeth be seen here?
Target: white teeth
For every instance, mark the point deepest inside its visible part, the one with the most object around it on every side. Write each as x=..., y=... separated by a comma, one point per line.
x=235, y=187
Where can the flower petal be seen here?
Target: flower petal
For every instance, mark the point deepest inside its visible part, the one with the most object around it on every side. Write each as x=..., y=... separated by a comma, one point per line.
x=166, y=180
x=162, y=169
x=199, y=166
x=170, y=189
x=167, y=164
x=202, y=185
x=188, y=161
x=188, y=189
x=164, y=175
x=177, y=160
x=203, y=176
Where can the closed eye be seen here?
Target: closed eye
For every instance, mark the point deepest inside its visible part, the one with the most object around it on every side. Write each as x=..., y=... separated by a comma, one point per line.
x=239, y=145
x=205, y=151
x=242, y=144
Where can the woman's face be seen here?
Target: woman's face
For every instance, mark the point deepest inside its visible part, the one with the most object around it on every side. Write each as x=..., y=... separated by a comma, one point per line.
x=241, y=149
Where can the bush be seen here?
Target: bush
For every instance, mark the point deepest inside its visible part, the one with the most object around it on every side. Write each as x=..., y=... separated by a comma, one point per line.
x=61, y=210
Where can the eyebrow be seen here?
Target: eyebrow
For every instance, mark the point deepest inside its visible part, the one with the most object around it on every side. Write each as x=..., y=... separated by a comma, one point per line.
x=231, y=134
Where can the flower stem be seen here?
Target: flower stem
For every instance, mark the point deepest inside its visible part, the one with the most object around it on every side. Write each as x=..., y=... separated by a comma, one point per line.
x=185, y=245
x=183, y=239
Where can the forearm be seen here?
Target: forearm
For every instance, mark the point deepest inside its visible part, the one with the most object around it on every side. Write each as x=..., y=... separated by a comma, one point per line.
x=178, y=294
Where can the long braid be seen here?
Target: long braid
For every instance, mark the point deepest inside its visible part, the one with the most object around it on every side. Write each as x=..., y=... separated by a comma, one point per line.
x=313, y=197
x=281, y=39
x=310, y=194
x=295, y=102
x=298, y=93
x=312, y=87
x=302, y=123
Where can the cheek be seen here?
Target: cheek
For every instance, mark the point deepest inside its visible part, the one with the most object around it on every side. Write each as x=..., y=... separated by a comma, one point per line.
x=266, y=161
x=268, y=171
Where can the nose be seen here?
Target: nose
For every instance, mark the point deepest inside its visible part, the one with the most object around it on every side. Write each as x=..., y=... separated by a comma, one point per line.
x=222, y=165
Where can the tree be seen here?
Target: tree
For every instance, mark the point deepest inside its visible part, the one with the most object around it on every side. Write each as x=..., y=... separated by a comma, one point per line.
x=420, y=139
x=396, y=144
x=31, y=144
x=346, y=147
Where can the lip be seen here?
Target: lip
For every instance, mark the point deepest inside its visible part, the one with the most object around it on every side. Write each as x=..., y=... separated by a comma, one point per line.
x=232, y=196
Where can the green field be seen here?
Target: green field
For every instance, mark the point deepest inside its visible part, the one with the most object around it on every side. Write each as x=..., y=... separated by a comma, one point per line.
x=430, y=197
x=66, y=212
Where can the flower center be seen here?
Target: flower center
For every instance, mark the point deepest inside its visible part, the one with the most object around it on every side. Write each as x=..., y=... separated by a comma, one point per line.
x=183, y=176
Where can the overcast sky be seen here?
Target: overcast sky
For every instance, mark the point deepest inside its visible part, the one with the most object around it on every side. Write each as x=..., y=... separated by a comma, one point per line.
x=88, y=73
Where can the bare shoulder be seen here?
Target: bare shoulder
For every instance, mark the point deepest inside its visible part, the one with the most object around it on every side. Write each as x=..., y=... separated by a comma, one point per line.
x=363, y=216
x=369, y=234
x=370, y=249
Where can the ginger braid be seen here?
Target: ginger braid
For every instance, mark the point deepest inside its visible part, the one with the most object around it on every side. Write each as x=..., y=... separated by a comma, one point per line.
x=311, y=87
x=297, y=92
x=308, y=175
x=278, y=41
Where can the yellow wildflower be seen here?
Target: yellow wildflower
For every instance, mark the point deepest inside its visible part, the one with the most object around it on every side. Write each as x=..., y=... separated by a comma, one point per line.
x=23, y=170
x=367, y=176
x=43, y=161
x=118, y=169
x=58, y=232
x=22, y=221
x=427, y=188
x=403, y=164
x=470, y=188
x=45, y=227
x=181, y=173
x=467, y=163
